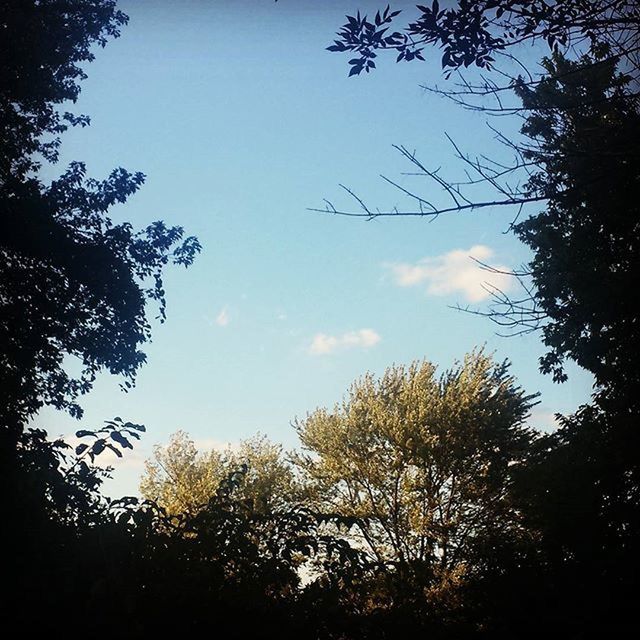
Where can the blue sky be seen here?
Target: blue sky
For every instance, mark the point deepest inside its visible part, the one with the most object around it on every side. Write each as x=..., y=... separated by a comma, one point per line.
x=241, y=120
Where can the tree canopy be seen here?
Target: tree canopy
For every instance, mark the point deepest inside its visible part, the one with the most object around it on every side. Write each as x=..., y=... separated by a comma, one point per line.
x=421, y=462
x=583, y=135
x=182, y=479
x=45, y=43
x=74, y=286
x=574, y=173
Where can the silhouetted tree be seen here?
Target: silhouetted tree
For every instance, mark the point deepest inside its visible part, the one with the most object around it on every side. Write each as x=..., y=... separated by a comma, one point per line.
x=44, y=45
x=578, y=493
x=475, y=32
x=72, y=283
x=73, y=286
x=577, y=158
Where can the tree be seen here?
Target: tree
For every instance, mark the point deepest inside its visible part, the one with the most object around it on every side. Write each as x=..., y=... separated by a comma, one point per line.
x=584, y=136
x=74, y=286
x=74, y=289
x=577, y=159
x=575, y=173
x=182, y=480
x=44, y=45
x=421, y=463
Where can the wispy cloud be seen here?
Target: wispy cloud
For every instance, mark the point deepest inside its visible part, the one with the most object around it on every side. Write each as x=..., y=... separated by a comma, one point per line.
x=454, y=272
x=223, y=318
x=323, y=344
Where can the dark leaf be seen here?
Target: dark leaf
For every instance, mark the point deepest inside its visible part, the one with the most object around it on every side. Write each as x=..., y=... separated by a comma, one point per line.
x=115, y=450
x=121, y=440
x=97, y=448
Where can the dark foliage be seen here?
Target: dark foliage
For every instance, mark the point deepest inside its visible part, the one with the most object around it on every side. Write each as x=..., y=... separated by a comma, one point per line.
x=72, y=283
x=44, y=45
x=473, y=32
x=584, y=130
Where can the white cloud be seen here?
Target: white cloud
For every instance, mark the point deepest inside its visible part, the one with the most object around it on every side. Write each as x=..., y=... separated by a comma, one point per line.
x=454, y=272
x=323, y=344
x=543, y=419
x=223, y=318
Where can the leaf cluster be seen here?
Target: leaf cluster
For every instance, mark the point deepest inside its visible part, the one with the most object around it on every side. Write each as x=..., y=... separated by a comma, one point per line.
x=473, y=32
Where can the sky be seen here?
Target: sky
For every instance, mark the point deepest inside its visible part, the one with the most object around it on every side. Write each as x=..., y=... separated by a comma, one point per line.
x=242, y=122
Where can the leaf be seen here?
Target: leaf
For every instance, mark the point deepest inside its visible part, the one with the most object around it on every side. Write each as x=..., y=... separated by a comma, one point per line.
x=84, y=432
x=81, y=448
x=115, y=450
x=355, y=71
x=121, y=440
x=97, y=448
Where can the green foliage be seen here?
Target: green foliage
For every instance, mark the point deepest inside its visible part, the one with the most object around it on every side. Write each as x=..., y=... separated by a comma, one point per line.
x=422, y=463
x=182, y=480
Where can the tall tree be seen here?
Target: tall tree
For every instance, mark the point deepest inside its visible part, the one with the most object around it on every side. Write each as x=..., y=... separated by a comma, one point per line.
x=421, y=462
x=73, y=285
x=584, y=139
x=577, y=161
